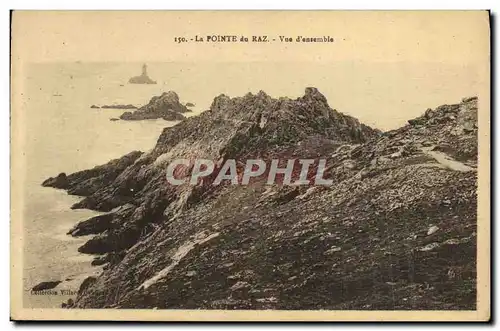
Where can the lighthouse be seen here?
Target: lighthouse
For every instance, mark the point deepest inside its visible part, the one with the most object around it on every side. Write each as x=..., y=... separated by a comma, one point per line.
x=143, y=78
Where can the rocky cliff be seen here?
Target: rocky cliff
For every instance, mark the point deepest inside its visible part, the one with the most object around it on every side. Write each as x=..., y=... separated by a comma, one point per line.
x=395, y=230
x=166, y=106
x=142, y=79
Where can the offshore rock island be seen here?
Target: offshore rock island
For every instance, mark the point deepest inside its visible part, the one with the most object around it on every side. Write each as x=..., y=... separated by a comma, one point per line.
x=143, y=78
x=165, y=106
x=396, y=230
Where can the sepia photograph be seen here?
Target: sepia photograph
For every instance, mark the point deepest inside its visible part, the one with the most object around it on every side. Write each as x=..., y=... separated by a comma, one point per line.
x=250, y=165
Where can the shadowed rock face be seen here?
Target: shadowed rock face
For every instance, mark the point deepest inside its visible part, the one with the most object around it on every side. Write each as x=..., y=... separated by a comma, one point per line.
x=395, y=230
x=166, y=106
x=46, y=285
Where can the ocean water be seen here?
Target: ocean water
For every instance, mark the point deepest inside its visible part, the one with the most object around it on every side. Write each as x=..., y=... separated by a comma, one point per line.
x=63, y=134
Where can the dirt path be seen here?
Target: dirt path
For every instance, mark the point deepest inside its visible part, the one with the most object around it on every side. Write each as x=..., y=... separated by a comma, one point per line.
x=446, y=161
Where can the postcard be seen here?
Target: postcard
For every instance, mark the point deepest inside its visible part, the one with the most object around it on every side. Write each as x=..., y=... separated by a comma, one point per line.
x=250, y=165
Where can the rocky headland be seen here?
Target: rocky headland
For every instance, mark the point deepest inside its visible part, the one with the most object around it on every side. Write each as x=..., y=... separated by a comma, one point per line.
x=396, y=230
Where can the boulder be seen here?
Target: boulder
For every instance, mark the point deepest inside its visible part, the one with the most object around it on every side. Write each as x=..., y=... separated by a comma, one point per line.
x=141, y=80
x=46, y=285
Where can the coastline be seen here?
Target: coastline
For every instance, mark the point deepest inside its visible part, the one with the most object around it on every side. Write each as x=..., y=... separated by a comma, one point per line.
x=134, y=232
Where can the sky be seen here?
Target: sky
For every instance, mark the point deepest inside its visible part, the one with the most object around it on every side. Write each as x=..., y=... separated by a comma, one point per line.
x=384, y=67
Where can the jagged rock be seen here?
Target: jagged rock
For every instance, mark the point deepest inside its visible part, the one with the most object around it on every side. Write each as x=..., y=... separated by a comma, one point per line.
x=88, y=182
x=432, y=229
x=97, y=245
x=289, y=248
x=99, y=260
x=416, y=121
x=95, y=107
x=468, y=127
x=190, y=104
x=240, y=286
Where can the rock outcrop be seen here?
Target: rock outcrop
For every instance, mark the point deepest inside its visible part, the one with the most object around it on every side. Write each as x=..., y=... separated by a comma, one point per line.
x=141, y=80
x=46, y=285
x=166, y=106
x=87, y=182
x=361, y=243
x=129, y=106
